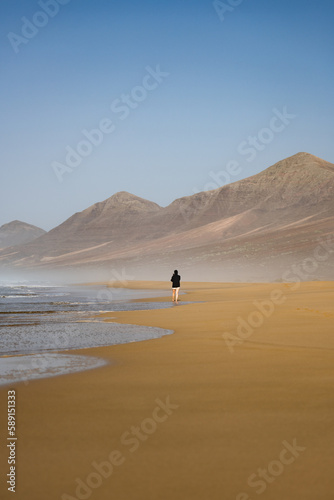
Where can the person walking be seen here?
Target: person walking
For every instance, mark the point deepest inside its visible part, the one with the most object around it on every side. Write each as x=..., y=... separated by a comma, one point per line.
x=175, y=279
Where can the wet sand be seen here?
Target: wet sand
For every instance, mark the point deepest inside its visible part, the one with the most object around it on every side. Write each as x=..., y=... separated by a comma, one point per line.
x=237, y=404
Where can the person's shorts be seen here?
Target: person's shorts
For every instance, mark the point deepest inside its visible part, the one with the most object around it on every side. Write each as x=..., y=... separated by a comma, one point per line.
x=176, y=288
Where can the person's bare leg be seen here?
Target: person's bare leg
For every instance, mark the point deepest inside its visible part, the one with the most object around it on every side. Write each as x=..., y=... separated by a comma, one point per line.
x=177, y=294
x=173, y=295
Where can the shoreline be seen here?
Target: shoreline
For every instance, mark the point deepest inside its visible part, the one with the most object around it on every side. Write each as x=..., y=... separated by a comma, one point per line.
x=50, y=358
x=229, y=412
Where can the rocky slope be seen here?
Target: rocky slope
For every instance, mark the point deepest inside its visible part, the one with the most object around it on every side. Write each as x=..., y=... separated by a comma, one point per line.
x=265, y=222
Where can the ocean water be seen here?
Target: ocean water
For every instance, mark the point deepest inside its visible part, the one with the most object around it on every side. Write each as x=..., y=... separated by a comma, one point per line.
x=29, y=303
x=26, y=368
x=38, y=319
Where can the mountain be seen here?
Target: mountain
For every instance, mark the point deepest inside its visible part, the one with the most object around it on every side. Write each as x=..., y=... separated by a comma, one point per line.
x=114, y=220
x=258, y=227
x=18, y=233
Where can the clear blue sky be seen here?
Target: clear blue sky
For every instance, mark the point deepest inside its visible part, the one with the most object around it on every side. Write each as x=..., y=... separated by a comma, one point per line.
x=226, y=75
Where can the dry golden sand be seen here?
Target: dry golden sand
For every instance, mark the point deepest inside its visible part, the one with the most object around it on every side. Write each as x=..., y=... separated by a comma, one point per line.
x=234, y=410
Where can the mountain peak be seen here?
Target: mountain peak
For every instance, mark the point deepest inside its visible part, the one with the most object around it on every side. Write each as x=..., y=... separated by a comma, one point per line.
x=123, y=199
x=301, y=164
x=17, y=232
x=303, y=155
x=303, y=159
x=15, y=224
x=123, y=195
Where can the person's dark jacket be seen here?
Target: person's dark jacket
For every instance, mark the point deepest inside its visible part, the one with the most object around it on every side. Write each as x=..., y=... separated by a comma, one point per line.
x=175, y=279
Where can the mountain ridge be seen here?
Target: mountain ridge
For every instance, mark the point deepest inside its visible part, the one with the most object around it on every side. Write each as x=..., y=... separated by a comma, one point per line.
x=288, y=197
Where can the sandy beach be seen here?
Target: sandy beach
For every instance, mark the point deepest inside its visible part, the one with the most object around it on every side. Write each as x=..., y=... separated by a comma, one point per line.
x=236, y=404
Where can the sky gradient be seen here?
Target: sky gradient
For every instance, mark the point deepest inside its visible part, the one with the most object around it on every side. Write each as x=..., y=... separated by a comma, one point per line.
x=185, y=99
